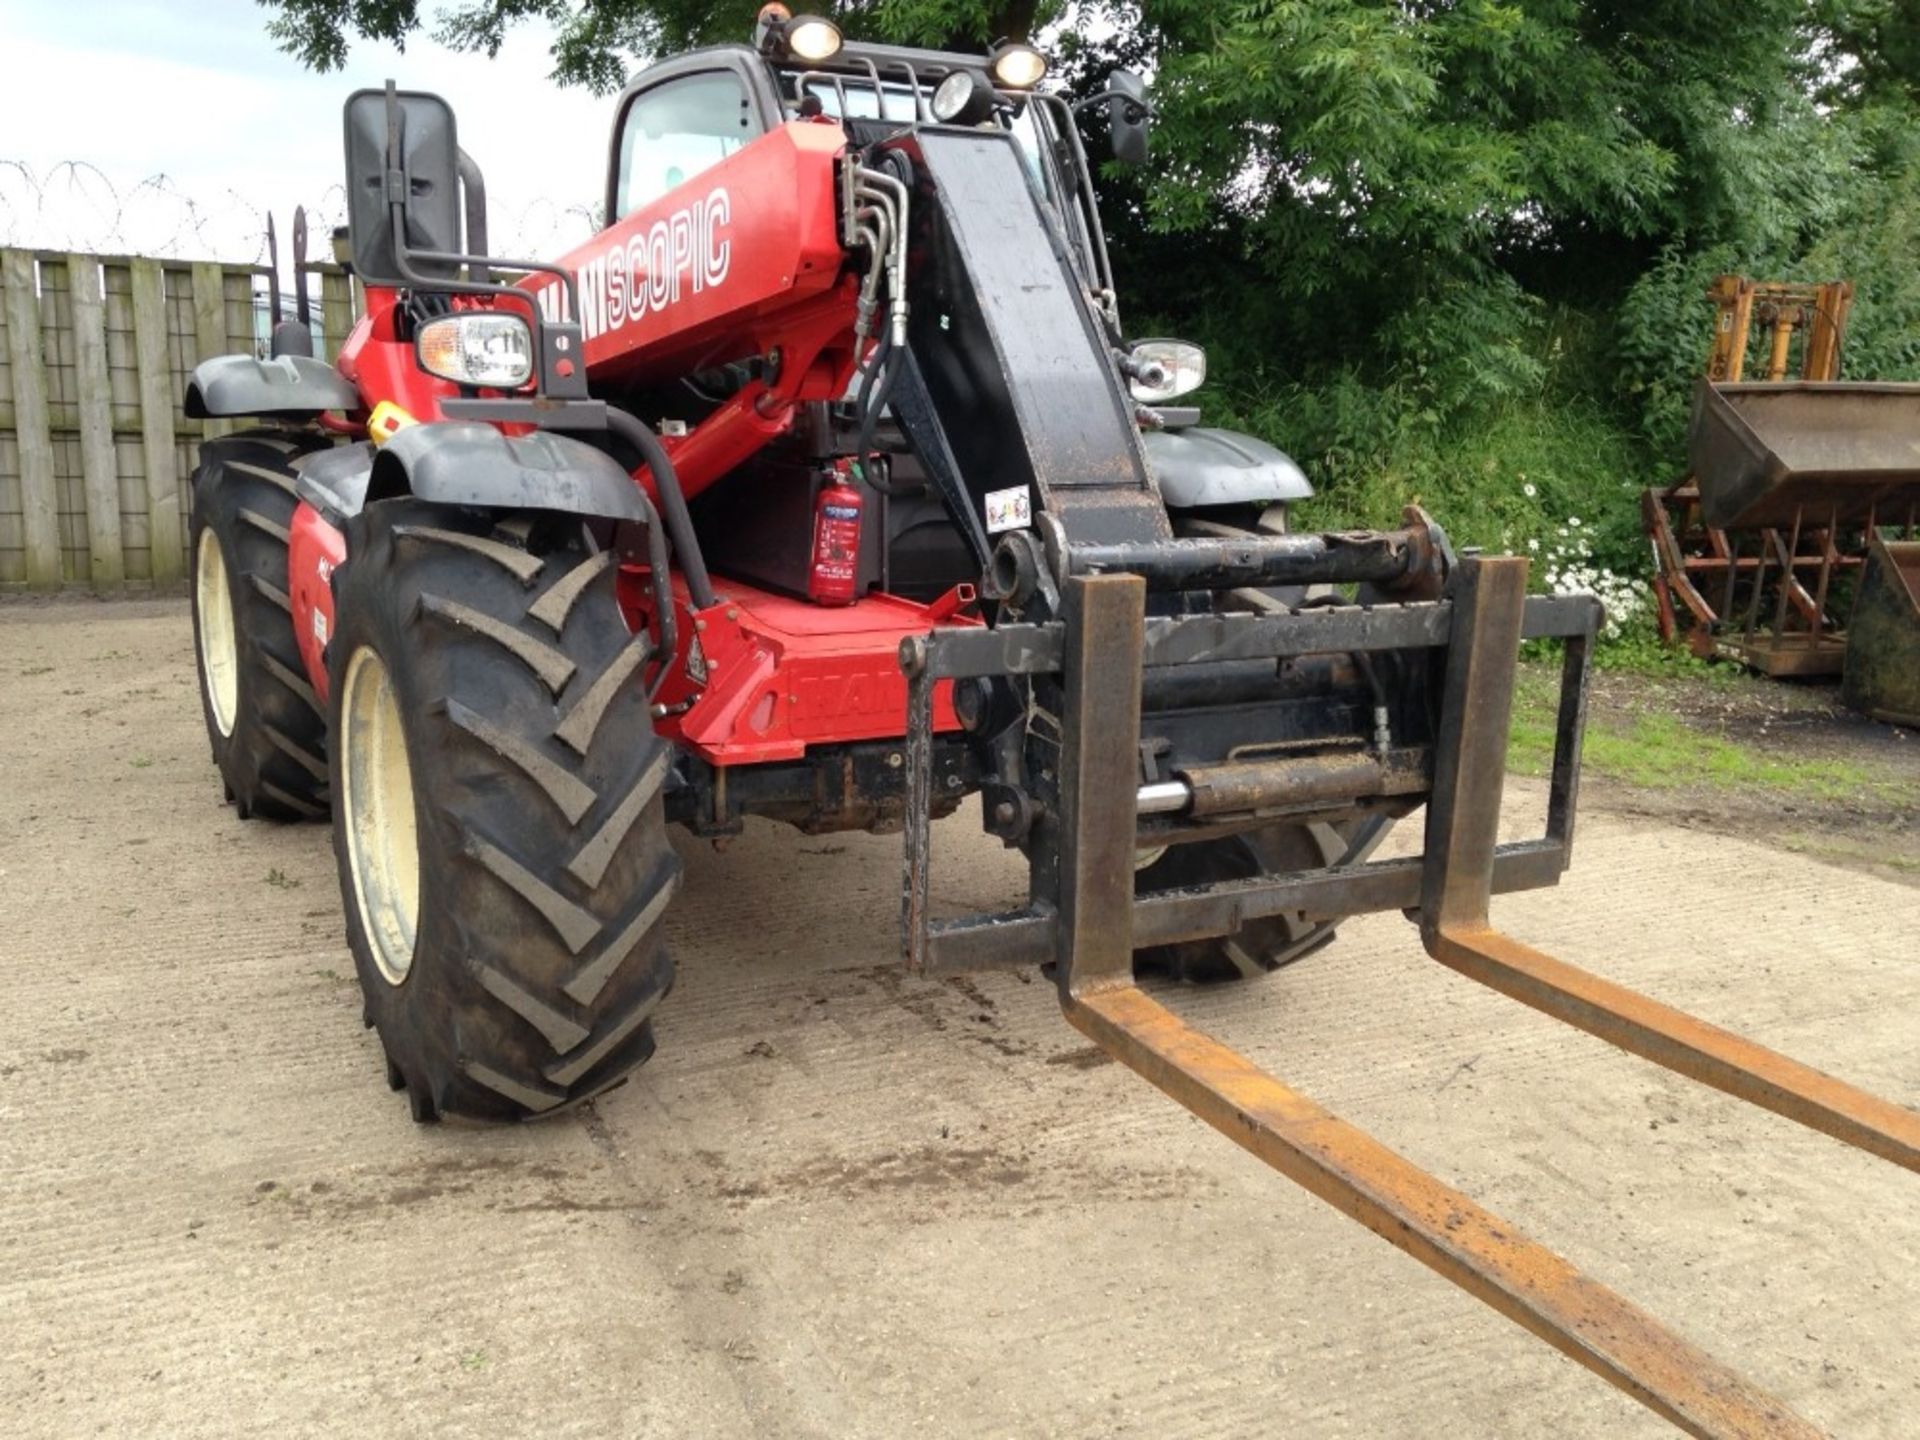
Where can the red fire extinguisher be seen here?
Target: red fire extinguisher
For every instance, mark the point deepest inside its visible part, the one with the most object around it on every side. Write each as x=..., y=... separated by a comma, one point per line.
x=834, y=577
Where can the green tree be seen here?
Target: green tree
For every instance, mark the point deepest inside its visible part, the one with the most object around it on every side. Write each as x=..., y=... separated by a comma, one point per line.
x=596, y=41
x=1394, y=221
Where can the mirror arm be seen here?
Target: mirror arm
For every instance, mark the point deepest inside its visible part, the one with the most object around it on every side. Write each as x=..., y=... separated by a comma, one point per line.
x=1137, y=109
x=473, y=186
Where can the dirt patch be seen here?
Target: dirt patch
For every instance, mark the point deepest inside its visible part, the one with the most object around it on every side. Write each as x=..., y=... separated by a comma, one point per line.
x=1781, y=763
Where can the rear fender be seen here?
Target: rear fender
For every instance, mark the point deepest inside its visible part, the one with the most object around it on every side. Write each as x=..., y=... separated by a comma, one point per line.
x=290, y=387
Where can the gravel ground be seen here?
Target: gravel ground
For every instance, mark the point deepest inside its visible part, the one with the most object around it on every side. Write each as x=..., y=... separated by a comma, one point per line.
x=843, y=1202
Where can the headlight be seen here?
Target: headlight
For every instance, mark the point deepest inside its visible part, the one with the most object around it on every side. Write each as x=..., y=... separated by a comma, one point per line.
x=963, y=98
x=1166, y=369
x=1017, y=67
x=476, y=348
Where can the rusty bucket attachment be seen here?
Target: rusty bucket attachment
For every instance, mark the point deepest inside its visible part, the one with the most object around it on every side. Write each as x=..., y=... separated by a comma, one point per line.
x=1090, y=925
x=1882, y=677
x=1789, y=482
x=1839, y=453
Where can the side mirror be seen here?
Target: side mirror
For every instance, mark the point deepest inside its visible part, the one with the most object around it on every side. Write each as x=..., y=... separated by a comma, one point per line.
x=1129, y=117
x=401, y=152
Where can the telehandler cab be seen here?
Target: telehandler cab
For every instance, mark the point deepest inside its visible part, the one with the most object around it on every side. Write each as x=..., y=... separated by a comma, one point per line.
x=826, y=485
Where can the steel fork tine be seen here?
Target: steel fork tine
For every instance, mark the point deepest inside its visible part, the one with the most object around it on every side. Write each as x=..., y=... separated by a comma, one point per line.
x=1462, y=826
x=1432, y=1222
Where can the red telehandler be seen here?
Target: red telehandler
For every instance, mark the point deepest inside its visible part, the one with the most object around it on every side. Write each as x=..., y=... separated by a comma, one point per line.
x=825, y=485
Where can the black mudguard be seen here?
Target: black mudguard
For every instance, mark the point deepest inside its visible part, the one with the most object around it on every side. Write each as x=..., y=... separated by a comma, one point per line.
x=291, y=387
x=1199, y=468
x=457, y=462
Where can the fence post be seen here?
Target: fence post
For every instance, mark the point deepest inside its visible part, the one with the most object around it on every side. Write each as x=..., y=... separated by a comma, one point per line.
x=99, y=466
x=38, y=510
x=156, y=421
x=336, y=310
x=210, y=327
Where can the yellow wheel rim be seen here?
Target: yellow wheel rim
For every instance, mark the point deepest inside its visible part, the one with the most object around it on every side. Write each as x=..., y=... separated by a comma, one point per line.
x=376, y=800
x=219, y=650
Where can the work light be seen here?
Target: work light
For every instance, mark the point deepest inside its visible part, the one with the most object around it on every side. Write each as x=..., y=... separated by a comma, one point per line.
x=964, y=98
x=1016, y=66
x=811, y=38
x=781, y=35
x=477, y=348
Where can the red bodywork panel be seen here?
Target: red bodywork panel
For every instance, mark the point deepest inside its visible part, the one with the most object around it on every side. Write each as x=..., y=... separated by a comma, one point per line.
x=784, y=674
x=745, y=259
x=714, y=269
x=314, y=551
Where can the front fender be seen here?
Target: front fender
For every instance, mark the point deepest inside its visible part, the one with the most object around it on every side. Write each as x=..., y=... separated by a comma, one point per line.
x=1200, y=467
x=455, y=462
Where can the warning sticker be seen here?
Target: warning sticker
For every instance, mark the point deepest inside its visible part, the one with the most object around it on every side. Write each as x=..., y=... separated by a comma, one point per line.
x=1008, y=510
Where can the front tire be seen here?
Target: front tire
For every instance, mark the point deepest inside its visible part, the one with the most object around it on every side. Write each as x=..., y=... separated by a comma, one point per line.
x=264, y=723
x=1260, y=946
x=498, y=823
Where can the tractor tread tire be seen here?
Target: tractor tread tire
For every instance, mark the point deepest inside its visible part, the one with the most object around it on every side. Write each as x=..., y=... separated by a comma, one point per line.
x=1260, y=946
x=545, y=868
x=273, y=762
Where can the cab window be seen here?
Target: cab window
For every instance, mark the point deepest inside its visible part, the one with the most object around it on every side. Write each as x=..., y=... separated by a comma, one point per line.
x=678, y=129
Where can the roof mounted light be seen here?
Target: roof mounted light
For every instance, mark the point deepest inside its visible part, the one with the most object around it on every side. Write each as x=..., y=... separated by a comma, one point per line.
x=779, y=34
x=964, y=98
x=1016, y=66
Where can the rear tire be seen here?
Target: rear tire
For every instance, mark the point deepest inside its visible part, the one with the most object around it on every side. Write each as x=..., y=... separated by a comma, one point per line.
x=498, y=824
x=264, y=723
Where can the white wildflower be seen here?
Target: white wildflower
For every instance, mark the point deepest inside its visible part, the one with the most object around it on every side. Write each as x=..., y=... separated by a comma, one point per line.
x=1529, y=490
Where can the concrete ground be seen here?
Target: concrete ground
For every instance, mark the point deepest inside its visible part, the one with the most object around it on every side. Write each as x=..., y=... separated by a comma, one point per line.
x=842, y=1202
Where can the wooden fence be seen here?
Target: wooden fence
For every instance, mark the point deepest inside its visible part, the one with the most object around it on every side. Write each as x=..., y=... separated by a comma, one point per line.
x=96, y=456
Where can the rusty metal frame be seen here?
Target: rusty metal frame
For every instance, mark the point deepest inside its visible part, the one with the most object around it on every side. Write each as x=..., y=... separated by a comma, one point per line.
x=1103, y=644
x=1692, y=559
x=1029, y=936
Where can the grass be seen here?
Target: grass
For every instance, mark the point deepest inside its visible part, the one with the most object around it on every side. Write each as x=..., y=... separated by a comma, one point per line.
x=1661, y=752
x=1497, y=479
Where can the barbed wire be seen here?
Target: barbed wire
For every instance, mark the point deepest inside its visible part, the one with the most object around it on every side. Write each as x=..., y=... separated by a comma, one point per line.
x=76, y=205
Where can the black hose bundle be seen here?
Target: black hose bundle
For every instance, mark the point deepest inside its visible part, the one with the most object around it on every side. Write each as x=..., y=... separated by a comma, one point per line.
x=673, y=502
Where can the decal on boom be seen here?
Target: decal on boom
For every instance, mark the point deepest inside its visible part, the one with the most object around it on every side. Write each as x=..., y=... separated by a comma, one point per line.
x=684, y=252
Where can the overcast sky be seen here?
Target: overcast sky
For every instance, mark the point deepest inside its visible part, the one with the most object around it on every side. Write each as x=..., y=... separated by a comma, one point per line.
x=197, y=125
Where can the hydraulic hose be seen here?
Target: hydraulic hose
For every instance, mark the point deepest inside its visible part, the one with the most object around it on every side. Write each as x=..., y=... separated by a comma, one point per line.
x=876, y=386
x=673, y=502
